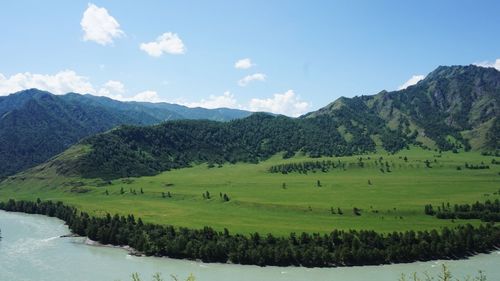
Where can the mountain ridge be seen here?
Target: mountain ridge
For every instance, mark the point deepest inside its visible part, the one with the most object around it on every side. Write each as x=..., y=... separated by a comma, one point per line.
x=458, y=100
x=453, y=108
x=35, y=125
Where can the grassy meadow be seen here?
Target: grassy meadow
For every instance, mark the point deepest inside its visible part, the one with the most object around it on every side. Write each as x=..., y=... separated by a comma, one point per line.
x=277, y=203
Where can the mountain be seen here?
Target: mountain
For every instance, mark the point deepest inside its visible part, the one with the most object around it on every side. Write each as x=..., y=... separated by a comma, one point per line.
x=453, y=108
x=36, y=125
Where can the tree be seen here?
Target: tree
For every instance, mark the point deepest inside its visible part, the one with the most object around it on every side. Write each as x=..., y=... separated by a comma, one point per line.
x=106, y=192
x=318, y=183
x=142, y=191
x=122, y=191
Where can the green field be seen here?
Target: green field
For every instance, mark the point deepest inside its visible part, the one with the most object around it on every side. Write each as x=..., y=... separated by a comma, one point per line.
x=258, y=202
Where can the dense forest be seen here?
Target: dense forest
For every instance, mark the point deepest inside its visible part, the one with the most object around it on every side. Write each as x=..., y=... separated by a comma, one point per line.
x=489, y=211
x=137, y=151
x=338, y=248
x=36, y=125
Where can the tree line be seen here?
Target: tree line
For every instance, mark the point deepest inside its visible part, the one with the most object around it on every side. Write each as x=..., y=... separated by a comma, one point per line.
x=476, y=167
x=338, y=248
x=307, y=166
x=489, y=211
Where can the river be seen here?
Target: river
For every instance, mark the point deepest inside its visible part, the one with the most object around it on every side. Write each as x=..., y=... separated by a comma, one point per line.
x=31, y=250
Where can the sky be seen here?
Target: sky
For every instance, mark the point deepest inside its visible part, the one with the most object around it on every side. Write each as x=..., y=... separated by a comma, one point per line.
x=286, y=57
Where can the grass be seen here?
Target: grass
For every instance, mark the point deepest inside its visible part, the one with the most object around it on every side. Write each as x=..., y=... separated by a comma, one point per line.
x=259, y=203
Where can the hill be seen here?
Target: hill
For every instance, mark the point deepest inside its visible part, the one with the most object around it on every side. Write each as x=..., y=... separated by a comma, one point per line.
x=36, y=125
x=454, y=108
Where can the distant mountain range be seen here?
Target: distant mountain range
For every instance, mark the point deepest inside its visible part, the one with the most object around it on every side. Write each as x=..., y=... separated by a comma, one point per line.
x=453, y=108
x=36, y=125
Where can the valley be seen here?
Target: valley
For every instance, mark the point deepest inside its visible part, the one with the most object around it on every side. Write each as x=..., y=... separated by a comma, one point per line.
x=265, y=202
x=249, y=140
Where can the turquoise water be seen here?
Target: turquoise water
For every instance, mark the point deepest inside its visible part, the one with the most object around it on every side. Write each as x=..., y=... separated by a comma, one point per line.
x=31, y=250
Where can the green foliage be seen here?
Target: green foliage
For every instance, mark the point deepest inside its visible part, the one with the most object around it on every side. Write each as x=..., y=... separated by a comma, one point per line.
x=488, y=211
x=36, y=125
x=448, y=102
x=137, y=151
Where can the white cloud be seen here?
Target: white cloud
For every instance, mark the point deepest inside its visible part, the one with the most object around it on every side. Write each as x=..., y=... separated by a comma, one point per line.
x=243, y=64
x=225, y=100
x=495, y=64
x=59, y=83
x=168, y=43
x=249, y=78
x=99, y=26
x=116, y=90
x=412, y=81
x=115, y=86
x=287, y=103
x=112, y=89
x=147, y=96
x=67, y=81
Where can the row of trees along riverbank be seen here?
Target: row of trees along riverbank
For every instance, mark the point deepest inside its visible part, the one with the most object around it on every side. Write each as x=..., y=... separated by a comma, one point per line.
x=339, y=248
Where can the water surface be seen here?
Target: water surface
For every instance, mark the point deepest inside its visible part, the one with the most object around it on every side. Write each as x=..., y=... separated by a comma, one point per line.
x=31, y=250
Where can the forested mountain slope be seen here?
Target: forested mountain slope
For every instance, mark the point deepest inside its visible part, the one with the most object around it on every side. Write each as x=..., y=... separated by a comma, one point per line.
x=454, y=108
x=36, y=125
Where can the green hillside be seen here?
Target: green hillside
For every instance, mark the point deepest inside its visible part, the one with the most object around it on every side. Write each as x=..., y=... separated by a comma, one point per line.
x=36, y=125
x=453, y=107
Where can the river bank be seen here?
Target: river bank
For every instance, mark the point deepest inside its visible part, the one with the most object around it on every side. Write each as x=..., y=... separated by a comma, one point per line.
x=31, y=250
x=339, y=248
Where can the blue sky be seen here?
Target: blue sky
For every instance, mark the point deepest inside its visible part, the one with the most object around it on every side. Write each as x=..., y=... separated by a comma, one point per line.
x=302, y=54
